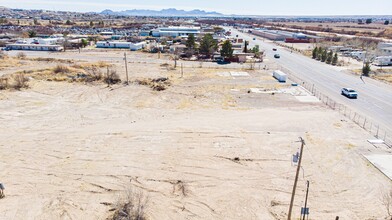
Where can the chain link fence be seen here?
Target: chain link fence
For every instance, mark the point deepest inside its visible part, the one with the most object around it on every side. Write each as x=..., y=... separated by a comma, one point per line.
x=362, y=121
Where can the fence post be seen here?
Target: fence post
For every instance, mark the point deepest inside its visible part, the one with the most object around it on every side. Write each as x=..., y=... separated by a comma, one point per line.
x=385, y=135
x=378, y=128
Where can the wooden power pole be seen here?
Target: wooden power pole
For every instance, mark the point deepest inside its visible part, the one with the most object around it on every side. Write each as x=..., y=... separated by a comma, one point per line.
x=126, y=67
x=306, y=199
x=296, y=178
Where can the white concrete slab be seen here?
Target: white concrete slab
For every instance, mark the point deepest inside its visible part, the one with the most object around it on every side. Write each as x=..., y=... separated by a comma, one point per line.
x=376, y=141
x=239, y=73
x=224, y=74
x=383, y=162
x=307, y=99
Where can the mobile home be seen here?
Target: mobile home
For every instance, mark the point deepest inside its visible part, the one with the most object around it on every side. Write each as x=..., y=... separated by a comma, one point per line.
x=383, y=61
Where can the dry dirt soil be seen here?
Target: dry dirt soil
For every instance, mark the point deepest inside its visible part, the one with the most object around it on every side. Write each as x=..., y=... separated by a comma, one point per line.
x=204, y=148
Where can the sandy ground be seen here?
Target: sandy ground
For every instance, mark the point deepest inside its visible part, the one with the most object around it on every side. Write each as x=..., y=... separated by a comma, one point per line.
x=69, y=150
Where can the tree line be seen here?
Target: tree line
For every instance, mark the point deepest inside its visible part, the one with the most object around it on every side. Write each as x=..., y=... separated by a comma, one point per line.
x=208, y=46
x=323, y=55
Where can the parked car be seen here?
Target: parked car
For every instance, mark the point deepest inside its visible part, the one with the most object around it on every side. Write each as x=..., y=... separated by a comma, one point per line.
x=274, y=49
x=277, y=56
x=349, y=93
x=254, y=38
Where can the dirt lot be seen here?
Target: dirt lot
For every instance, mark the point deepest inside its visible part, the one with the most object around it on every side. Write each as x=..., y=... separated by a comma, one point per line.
x=204, y=148
x=377, y=29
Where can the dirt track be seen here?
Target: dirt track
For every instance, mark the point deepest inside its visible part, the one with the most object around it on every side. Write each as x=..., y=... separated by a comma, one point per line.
x=69, y=150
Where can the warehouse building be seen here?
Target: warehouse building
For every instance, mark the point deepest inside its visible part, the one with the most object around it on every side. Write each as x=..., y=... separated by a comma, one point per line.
x=175, y=31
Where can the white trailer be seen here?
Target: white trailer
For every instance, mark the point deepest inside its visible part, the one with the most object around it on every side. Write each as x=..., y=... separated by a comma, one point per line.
x=137, y=46
x=383, y=61
x=113, y=44
x=280, y=76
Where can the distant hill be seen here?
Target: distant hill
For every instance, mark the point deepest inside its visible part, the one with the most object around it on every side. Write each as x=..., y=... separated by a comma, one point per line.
x=170, y=12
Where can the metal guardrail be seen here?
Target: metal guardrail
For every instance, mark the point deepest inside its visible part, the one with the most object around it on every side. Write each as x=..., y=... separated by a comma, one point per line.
x=364, y=122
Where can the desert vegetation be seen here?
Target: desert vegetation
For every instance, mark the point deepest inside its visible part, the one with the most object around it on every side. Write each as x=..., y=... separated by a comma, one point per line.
x=131, y=205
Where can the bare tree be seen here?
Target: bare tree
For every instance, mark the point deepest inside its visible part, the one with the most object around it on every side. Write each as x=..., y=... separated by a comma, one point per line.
x=175, y=56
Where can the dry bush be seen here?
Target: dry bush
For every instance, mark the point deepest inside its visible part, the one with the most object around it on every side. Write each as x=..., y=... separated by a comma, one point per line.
x=96, y=74
x=181, y=187
x=158, y=84
x=45, y=59
x=102, y=64
x=386, y=200
x=112, y=77
x=20, y=81
x=87, y=66
x=21, y=55
x=4, y=83
x=131, y=205
x=61, y=69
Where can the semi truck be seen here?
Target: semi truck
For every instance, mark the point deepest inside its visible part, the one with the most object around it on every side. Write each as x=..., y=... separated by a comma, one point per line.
x=280, y=76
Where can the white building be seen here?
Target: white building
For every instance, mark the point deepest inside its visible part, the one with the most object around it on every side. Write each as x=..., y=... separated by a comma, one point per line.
x=121, y=45
x=175, y=31
x=137, y=46
x=36, y=47
x=113, y=44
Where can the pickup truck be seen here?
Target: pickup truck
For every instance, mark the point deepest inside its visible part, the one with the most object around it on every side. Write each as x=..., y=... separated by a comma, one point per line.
x=349, y=93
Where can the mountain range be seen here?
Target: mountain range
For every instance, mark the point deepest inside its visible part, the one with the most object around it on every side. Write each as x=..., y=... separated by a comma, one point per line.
x=170, y=12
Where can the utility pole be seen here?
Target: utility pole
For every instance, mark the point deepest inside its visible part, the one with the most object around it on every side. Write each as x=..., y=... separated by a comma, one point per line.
x=126, y=67
x=306, y=199
x=296, y=178
x=107, y=76
x=182, y=70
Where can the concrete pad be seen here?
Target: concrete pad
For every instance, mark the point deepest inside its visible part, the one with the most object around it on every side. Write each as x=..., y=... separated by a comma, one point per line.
x=257, y=90
x=296, y=91
x=383, y=162
x=239, y=73
x=376, y=141
x=307, y=99
x=224, y=74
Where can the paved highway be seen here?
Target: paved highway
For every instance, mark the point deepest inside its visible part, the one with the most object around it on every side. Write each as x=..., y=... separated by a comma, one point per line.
x=374, y=98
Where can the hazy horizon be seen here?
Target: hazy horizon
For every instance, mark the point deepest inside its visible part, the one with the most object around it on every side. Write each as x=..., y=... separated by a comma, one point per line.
x=250, y=7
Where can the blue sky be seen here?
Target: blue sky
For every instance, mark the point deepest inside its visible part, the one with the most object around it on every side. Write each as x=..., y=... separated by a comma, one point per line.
x=245, y=7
